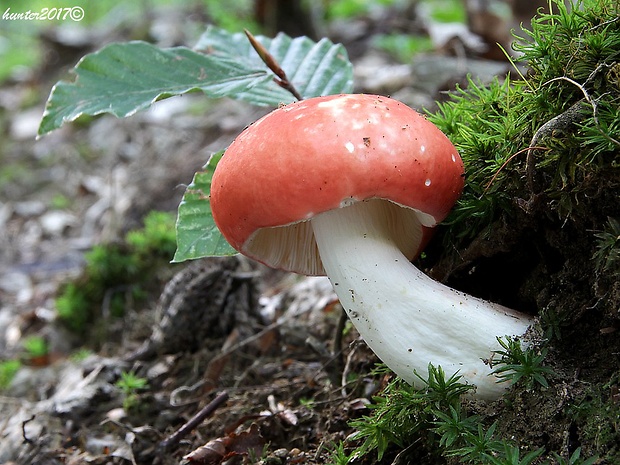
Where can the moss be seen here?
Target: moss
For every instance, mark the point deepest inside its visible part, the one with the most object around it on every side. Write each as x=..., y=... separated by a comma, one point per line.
x=116, y=274
x=542, y=160
x=547, y=139
x=595, y=414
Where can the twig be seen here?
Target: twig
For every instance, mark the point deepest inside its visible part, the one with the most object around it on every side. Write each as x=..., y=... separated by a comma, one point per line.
x=402, y=456
x=560, y=122
x=527, y=149
x=184, y=430
x=272, y=64
x=337, y=348
x=347, y=366
x=588, y=99
x=27, y=440
x=564, y=120
x=229, y=350
x=176, y=392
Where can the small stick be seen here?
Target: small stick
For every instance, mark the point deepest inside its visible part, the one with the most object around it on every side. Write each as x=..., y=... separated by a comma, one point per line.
x=560, y=122
x=272, y=64
x=337, y=349
x=527, y=149
x=27, y=440
x=184, y=430
x=565, y=119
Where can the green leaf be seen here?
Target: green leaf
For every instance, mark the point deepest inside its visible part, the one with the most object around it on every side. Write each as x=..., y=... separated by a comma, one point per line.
x=197, y=234
x=314, y=68
x=122, y=79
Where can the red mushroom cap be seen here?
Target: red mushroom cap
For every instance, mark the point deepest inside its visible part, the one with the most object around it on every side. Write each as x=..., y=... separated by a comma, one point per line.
x=321, y=154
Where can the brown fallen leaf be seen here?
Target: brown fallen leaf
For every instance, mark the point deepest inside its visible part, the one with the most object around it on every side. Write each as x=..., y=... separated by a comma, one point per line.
x=221, y=449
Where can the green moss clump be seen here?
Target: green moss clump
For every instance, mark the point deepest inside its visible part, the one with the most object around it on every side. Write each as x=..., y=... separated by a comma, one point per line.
x=118, y=273
x=157, y=236
x=541, y=149
x=597, y=413
x=551, y=139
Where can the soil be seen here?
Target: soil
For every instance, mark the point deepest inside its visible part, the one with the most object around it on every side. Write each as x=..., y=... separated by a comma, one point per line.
x=289, y=395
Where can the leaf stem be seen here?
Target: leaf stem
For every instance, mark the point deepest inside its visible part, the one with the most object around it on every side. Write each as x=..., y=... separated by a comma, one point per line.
x=281, y=79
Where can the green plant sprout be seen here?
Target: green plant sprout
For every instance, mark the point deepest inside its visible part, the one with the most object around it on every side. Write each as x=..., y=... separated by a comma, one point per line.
x=453, y=426
x=551, y=322
x=444, y=392
x=575, y=459
x=35, y=346
x=60, y=201
x=597, y=412
x=156, y=236
x=81, y=354
x=309, y=403
x=607, y=254
x=515, y=363
x=479, y=447
x=8, y=370
x=130, y=385
x=339, y=455
x=511, y=455
x=340, y=9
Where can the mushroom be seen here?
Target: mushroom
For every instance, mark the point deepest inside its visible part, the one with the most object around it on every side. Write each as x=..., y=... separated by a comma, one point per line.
x=351, y=186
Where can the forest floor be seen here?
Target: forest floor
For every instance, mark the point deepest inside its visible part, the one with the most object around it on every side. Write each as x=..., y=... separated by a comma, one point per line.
x=286, y=395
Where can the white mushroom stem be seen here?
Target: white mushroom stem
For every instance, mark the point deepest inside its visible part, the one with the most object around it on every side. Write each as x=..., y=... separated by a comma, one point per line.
x=407, y=318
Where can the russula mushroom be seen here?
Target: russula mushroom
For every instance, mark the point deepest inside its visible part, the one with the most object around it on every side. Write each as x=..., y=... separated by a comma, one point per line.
x=350, y=186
